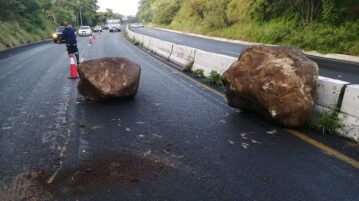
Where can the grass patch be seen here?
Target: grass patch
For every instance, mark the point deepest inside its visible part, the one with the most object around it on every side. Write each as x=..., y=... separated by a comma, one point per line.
x=198, y=73
x=20, y=33
x=327, y=122
x=188, y=67
x=214, y=78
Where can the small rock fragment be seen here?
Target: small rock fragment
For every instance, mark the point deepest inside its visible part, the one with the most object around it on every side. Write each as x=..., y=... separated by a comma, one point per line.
x=34, y=175
x=244, y=145
x=272, y=132
x=133, y=179
x=148, y=152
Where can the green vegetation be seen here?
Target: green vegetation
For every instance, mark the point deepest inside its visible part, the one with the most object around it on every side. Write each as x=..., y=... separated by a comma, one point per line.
x=14, y=33
x=198, y=73
x=327, y=122
x=26, y=21
x=327, y=26
x=188, y=67
x=214, y=78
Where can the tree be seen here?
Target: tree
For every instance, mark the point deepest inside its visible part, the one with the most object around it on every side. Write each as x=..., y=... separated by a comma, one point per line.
x=308, y=10
x=145, y=13
x=332, y=13
x=165, y=10
x=197, y=8
x=218, y=8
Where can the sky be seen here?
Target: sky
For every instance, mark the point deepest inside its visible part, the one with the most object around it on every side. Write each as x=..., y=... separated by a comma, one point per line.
x=124, y=7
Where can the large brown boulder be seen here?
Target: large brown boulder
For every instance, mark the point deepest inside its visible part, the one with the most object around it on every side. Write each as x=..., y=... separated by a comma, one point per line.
x=108, y=78
x=277, y=82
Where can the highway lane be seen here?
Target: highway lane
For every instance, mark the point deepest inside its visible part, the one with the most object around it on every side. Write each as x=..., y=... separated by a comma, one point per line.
x=341, y=70
x=174, y=141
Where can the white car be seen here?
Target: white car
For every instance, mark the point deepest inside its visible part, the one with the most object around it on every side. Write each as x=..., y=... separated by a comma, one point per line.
x=97, y=29
x=85, y=31
x=114, y=27
x=136, y=25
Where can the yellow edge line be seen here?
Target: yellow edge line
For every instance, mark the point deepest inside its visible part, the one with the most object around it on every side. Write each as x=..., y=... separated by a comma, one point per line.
x=324, y=148
x=327, y=150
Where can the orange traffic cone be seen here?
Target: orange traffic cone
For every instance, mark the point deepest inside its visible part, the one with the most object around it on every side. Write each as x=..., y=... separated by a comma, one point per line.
x=94, y=36
x=90, y=40
x=73, y=71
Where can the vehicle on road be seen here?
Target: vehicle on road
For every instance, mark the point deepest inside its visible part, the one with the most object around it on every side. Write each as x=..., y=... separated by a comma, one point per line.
x=114, y=25
x=85, y=31
x=57, y=35
x=97, y=29
x=137, y=25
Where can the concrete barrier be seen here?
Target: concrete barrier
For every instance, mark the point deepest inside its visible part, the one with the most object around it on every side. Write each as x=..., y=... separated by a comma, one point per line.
x=349, y=112
x=160, y=47
x=182, y=55
x=147, y=42
x=138, y=38
x=351, y=126
x=210, y=61
x=328, y=92
x=350, y=104
x=331, y=96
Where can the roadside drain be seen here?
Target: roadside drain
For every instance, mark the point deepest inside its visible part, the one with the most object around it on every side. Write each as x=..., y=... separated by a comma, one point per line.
x=110, y=171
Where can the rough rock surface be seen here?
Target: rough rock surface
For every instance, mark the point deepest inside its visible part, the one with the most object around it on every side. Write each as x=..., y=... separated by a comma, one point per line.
x=108, y=78
x=277, y=82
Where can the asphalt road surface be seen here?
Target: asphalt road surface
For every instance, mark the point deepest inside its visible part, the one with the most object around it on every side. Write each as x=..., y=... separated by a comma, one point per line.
x=342, y=70
x=174, y=141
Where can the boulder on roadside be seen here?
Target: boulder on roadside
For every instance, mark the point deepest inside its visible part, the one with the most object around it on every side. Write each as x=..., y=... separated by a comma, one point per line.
x=108, y=78
x=277, y=82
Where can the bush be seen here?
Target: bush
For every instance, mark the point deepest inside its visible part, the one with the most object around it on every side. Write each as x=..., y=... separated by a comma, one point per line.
x=198, y=73
x=188, y=67
x=214, y=78
x=327, y=122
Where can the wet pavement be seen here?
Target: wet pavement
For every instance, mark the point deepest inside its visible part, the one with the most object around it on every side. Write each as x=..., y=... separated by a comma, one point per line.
x=174, y=141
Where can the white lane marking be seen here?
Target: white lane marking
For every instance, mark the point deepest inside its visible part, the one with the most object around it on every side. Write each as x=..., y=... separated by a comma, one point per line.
x=231, y=52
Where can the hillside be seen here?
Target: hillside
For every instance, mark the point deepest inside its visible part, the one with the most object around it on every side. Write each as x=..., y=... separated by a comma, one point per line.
x=27, y=21
x=327, y=26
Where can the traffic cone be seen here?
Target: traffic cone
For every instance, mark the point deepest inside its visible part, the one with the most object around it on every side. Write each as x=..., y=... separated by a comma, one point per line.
x=94, y=36
x=73, y=71
x=90, y=40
